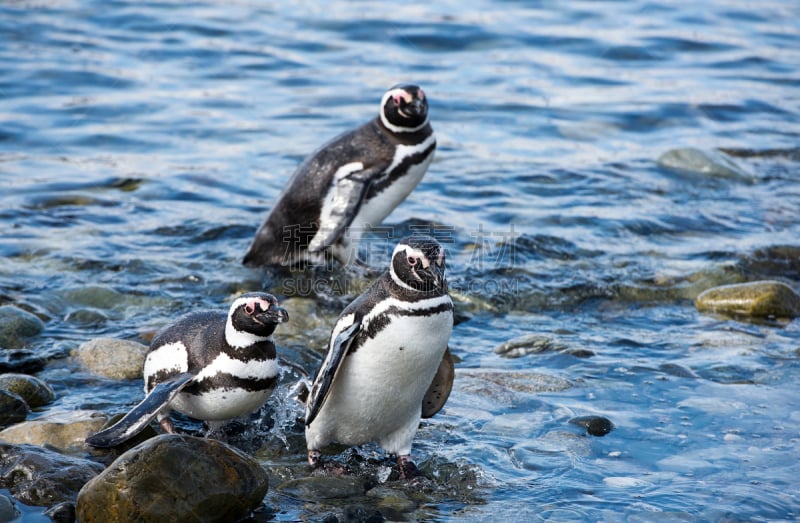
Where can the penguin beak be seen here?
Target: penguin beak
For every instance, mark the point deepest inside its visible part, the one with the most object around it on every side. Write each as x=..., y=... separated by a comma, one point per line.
x=273, y=316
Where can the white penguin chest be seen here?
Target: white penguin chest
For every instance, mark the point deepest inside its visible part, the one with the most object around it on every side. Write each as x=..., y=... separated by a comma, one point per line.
x=374, y=210
x=380, y=386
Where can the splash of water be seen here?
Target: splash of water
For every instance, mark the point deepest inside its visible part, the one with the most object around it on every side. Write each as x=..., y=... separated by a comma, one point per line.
x=286, y=402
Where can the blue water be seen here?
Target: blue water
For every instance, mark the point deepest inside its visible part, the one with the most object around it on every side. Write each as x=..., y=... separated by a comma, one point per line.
x=141, y=144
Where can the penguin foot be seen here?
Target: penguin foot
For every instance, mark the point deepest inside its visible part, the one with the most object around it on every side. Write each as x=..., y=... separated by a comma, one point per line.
x=167, y=426
x=408, y=470
x=314, y=459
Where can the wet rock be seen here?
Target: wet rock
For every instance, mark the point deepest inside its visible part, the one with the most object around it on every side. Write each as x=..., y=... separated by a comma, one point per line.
x=62, y=512
x=13, y=408
x=62, y=430
x=113, y=358
x=759, y=299
x=34, y=391
x=16, y=325
x=595, y=425
x=8, y=511
x=459, y=480
x=20, y=360
x=324, y=487
x=693, y=160
x=42, y=477
x=528, y=344
x=392, y=501
x=174, y=477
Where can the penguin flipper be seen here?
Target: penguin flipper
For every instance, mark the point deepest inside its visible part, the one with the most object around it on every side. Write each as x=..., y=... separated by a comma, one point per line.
x=439, y=390
x=340, y=343
x=347, y=191
x=137, y=419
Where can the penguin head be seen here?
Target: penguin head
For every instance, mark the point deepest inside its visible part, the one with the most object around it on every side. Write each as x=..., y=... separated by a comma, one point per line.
x=404, y=109
x=256, y=313
x=418, y=264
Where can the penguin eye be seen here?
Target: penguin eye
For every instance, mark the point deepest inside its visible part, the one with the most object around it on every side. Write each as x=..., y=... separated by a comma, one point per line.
x=412, y=260
x=250, y=308
x=397, y=99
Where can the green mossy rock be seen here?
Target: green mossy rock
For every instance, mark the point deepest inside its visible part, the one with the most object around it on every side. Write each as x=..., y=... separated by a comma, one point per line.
x=34, y=391
x=758, y=299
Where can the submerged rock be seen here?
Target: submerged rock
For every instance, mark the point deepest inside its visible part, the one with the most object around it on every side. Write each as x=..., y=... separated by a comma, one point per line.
x=324, y=487
x=42, y=477
x=16, y=325
x=528, y=344
x=758, y=299
x=689, y=159
x=492, y=382
x=175, y=478
x=113, y=358
x=62, y=430
x=34, y=391
x=13, y=408
x=94, y=296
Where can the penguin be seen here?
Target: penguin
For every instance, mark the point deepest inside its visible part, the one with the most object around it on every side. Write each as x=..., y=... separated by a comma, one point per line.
x=351, y=183
x=387, y=362
x=208, y=365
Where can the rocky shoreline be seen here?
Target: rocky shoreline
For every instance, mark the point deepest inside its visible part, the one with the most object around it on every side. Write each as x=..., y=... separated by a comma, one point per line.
x=45, y=463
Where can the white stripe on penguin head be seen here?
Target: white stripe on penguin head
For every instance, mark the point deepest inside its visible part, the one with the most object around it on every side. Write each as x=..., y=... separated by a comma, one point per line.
x=240, y=339
x=409, y=251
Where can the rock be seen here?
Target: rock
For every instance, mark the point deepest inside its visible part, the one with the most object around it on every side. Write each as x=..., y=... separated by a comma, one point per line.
x=595, y=425
x=759, y=299
x=62, y=430
x=485, y=381
x=34, y=391
x=13, y=408
x=693, y=160
x=94, y=296
x=8, y=510
x=21, y=360
x=174, y=477
x=392, y=501
x=324, y=487
x=16, y=325
x=87, y=317
x=63, y=512
x=113, y=358
x=528, y=344
x=42, y=477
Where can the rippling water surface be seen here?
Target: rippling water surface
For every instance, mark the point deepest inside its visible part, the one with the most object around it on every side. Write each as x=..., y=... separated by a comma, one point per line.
x=141, y=144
